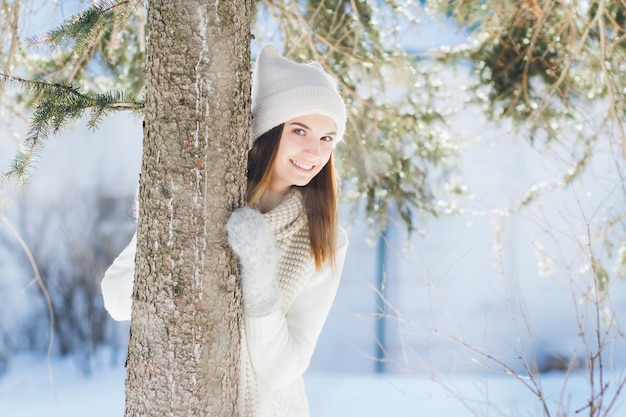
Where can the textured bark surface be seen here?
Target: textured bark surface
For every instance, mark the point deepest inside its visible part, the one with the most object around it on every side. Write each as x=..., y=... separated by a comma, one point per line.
x=183, y=357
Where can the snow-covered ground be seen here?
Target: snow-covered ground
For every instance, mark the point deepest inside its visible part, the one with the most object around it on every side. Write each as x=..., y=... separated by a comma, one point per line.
x=27, y=391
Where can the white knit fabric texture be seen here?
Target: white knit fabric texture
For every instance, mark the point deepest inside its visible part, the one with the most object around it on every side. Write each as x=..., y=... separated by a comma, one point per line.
x=283, y=90
x=251, y=238
x=289, y=226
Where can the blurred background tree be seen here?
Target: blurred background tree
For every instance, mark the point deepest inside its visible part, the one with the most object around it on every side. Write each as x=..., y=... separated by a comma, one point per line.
x=554, y=67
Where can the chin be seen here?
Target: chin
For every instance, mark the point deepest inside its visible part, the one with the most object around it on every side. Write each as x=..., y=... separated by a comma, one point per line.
x=303, y=183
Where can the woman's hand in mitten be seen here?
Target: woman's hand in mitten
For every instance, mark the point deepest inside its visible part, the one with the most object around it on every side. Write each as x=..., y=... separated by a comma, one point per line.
x=251, y=239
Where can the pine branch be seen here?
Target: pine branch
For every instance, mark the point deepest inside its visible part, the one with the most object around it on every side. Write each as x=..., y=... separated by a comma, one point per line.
x=58, y=106
x=82, y=29
x=106, y=34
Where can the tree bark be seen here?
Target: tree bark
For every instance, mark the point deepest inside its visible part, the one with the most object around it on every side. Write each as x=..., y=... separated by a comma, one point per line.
x=183, y=356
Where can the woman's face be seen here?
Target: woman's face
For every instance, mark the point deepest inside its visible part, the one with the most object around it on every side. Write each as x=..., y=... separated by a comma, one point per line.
x=304, y=149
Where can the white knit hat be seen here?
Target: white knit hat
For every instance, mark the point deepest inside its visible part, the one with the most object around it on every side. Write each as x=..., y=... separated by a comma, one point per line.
x=283, y=90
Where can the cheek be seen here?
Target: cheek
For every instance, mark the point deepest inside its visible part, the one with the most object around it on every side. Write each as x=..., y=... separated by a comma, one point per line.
x=326, y=156
x=282, y=153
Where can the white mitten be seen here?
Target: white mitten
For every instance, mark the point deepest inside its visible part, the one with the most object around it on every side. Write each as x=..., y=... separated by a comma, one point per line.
x=250, y=237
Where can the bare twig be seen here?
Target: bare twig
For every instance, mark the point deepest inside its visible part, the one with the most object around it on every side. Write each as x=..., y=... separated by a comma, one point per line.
x=42, y=286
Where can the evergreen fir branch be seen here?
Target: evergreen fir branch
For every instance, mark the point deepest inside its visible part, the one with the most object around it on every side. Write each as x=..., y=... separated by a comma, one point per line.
x=84, y=29
x=39, y=86
x=58, y=106
x=104, y=42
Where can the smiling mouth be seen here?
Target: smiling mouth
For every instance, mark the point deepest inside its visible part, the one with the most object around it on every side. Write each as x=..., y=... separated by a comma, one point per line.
x=301, y=165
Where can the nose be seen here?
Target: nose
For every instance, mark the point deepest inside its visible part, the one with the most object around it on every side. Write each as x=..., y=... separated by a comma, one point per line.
x=312, y=148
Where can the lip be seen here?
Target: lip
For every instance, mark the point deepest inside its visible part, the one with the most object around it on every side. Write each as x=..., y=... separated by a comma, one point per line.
x=302, y=166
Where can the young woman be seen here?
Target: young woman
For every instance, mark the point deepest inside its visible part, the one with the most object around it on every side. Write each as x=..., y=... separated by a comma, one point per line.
x=288, y=241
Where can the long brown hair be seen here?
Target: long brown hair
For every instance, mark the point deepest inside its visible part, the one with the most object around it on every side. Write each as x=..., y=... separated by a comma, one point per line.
x=320, y=195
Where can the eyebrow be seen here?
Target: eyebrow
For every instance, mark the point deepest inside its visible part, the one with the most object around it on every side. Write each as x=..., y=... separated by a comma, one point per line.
x=308, y=128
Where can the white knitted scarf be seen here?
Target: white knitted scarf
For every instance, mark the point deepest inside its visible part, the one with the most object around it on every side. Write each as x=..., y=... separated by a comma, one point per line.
x=289, y=225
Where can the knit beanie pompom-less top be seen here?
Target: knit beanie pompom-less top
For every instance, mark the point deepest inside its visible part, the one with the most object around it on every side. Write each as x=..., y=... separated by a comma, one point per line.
x=283, y=90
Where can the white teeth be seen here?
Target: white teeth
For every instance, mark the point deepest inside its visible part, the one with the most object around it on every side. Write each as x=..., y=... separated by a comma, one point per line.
x=301, y=165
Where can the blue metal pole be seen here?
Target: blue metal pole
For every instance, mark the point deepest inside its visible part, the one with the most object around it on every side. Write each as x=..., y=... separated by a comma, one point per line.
x=381, y=320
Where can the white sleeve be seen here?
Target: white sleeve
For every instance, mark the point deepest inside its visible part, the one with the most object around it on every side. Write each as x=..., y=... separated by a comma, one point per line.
x=281, y=346
x=117, y=284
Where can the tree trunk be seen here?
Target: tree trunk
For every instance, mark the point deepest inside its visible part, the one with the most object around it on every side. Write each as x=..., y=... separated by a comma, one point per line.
x=183, y=356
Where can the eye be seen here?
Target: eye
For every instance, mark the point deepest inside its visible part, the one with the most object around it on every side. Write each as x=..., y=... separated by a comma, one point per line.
x=327, y=138
x=299, y=131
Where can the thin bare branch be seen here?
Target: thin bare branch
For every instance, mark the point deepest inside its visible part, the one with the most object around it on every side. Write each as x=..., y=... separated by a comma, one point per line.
x=42, y=286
